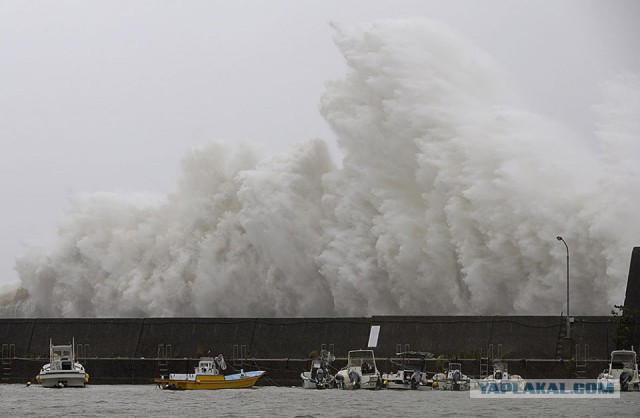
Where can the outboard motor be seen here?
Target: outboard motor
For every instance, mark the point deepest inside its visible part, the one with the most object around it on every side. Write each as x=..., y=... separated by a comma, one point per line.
x=355, y=379
x=625, y=379
x=456, y=376
x=498, y=375
x=339, y=381
x=456, y=379
x=416, y=377
x=319, y=378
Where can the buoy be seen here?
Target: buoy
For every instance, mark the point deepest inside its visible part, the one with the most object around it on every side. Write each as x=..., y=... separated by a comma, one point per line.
x=28, y=383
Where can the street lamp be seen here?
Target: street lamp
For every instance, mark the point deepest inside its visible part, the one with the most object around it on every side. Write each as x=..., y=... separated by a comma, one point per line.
x=568, y=320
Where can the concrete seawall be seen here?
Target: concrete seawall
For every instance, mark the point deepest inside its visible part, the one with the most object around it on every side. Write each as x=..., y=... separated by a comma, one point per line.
x=135, y=350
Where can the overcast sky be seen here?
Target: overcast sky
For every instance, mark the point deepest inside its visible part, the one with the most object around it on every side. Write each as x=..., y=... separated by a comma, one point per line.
x=109, y=95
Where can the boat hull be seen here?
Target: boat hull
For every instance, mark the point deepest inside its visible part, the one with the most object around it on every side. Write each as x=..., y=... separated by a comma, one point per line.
x=448, y=384
x=63, y=378
x=518, y=383
x=633, y=386
x=405, y=386
x=209, y=382
x=308, y=383
x=405, y=380
x=366, y=381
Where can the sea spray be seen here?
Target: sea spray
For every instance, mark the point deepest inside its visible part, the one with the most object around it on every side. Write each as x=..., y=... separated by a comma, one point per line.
x=448, y=201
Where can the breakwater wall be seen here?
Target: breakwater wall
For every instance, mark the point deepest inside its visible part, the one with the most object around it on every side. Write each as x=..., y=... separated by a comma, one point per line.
x=135, y=350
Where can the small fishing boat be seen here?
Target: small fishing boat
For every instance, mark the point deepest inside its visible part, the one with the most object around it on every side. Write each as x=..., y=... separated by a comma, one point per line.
x=62, y=370
x=451, y=379
x=360, y=373
x=501, y=375
x=405, y=379
x=319, y=377
x=410, y=375
x=207, y=376
x=622, y=373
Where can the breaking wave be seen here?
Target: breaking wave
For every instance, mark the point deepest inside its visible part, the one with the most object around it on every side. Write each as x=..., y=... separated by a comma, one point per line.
x=448, y=201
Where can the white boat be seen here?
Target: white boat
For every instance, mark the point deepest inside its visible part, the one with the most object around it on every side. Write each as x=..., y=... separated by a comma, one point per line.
x=410, y=376
x=501, y=375
x=319, y=377
x=451, y=379
x=360, y=373
x=62, y=370
x=406, y=379
x=622, y=372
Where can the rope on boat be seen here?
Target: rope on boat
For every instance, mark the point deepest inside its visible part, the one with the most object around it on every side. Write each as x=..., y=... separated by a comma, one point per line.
x=264, y=377
x=271, y=381
x=255, y=364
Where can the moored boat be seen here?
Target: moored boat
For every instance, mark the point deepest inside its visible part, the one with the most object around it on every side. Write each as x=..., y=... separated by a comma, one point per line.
x=622, y=373
x=360, y=373
x=501, y=376
x=319, y=377
x=62, y=370
x=207, y=376
x=451, y=379
x=410, y=375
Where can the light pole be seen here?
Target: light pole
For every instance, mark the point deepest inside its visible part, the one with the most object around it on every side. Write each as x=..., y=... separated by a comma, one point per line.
x=568, y=320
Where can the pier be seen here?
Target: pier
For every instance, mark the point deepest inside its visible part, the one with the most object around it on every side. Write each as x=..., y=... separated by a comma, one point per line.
x=136, y=350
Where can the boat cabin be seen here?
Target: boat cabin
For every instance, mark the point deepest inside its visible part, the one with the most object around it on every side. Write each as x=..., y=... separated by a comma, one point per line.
x=455, y=373
x=207, y=365
x=61, y=357
x=362, y=359
x=623, y=359
x=500, y=370
x=413, y=360
x=455, y=366
x=210, y=365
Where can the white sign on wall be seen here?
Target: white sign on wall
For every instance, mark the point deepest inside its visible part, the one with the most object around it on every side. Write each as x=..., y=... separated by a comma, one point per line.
x=373, y=336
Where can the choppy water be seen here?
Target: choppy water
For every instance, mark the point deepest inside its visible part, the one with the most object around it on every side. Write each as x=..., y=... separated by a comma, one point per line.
x=138, y=401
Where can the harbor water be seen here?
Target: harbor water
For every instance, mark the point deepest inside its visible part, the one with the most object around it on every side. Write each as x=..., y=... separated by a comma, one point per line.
x=270, y=401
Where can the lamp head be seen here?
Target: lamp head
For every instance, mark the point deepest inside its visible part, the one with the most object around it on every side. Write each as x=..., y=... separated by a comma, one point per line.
x=559, y=238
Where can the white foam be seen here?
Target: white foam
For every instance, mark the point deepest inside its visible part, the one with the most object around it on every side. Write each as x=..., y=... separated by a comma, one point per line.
x=448, y=201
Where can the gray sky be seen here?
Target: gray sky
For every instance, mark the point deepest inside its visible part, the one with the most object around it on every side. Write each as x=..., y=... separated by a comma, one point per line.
x=109, y=95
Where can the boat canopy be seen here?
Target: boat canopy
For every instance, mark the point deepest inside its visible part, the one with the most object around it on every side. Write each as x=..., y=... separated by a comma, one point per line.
x=416, y=354
x=623, y=359
x=455, y=366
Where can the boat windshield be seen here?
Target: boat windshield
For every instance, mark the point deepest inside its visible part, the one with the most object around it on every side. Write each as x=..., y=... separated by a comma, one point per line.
x=356, y=358
x=623, y=359
x=59, y=353
x=206, y=364
x=499, y=367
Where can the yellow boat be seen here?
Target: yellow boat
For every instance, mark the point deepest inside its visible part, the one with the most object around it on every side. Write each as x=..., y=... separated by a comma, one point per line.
x=207, y=376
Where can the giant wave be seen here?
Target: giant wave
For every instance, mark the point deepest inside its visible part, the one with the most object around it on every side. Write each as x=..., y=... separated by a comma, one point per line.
x=448, y=201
